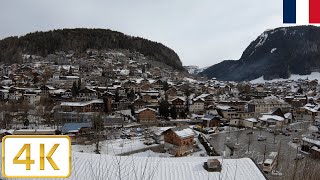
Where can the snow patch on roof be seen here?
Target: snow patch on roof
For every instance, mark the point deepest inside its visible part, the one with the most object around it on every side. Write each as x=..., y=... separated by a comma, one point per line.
x=267, y=117
x=187, y=132
x=251, y=120
x=81, y=103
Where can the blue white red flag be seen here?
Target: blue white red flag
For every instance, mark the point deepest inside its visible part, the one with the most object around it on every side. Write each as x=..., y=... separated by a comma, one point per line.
x=301, y=11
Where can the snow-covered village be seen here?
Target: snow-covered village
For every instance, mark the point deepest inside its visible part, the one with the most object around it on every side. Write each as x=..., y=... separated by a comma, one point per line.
x=130, y=119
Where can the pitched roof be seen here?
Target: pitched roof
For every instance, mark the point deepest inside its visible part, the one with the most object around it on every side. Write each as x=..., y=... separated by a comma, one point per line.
x=143, y=109
x=183, y=132
x=80, y=104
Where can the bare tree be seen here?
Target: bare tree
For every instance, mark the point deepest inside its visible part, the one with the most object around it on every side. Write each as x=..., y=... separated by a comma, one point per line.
x=97, y=126
x=249, y=142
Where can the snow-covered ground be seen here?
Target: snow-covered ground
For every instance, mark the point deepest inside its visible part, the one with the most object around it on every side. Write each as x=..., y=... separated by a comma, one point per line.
x=295, y=77
x=113, y=147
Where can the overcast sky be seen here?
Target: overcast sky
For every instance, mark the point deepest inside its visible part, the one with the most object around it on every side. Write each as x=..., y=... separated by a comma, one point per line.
x=201, y=32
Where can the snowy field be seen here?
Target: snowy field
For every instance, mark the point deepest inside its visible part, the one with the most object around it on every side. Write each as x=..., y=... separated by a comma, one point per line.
x=113, y=147
x=295, y=77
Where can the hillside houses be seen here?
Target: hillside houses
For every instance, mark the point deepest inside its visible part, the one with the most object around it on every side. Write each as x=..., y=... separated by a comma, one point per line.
x=106, y=81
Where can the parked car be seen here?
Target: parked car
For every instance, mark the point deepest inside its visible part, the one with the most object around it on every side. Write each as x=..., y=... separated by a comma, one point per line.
x=276, y=132
x=295, y=140
x=269, y=130
x=286, y=133
x=289, y=129
x=262, y=138
x=122, y=136
x=250, y=132
x=149, y=141
x=228, y=139
x=296, y=130
x=299, y=157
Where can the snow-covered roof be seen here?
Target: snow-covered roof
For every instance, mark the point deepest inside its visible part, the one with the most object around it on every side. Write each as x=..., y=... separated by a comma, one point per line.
x=143, y=109
x=312, y=141
x=50, y=87
x=312, y=108
x=10, y=131
x=59, y=91
x=287, y=115
x=139, y=80
x=92, y=166
x=208, y=117
x=71, y=77
x=159, y=130
x=179, y=97
x=223, y=107
x=81, y=103
x=267, y=117
x=183, y=132
x=316, y=148
x=124, y=72
x=196, y=99
x=203, y=96
x=251, y=119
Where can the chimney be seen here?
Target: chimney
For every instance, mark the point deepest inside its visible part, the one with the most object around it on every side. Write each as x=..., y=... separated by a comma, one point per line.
x=213, y=165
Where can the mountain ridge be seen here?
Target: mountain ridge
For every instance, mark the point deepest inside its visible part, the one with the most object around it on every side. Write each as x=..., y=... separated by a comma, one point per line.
x=276, y=53
x=81, y=39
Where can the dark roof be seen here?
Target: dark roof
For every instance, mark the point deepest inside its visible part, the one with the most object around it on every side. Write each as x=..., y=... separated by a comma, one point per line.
x=74, y=126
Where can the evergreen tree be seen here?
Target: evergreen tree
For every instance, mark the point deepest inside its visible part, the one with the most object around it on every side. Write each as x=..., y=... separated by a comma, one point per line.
x=143, y=69
x=74, y=89
x=173, y=112
x=183, y=115
x=79, y=84
x=131, y=95
x=165, y=86
x=164, y=109
x=132, y=110
x=26, y=122
x=300, y=90
x=117, y=96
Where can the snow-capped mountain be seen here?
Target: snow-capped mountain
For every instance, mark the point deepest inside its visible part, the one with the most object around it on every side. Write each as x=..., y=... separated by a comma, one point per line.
x=275, y=54
x=194, y=69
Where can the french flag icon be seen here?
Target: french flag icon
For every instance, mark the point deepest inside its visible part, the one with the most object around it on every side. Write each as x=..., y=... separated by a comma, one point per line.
x=301, y=11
